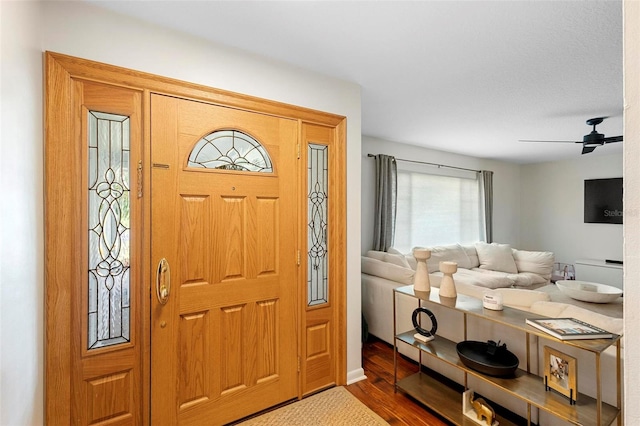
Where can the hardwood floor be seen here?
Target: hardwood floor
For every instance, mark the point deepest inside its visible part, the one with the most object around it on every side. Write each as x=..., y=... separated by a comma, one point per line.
x=377, y=392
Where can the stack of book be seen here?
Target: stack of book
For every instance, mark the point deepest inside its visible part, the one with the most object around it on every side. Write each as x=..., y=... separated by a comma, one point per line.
x=568, y=328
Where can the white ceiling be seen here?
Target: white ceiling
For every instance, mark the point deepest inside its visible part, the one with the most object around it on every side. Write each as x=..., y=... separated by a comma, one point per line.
x=470, y=77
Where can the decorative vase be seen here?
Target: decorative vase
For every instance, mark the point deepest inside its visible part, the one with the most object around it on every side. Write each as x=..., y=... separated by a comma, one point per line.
x=447, y=286
x=421, y=278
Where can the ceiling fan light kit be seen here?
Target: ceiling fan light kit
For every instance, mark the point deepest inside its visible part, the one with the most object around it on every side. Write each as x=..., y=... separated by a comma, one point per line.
x=592, y=140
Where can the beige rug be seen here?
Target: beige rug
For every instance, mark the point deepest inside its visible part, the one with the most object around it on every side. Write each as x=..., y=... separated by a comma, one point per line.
x=333, y=407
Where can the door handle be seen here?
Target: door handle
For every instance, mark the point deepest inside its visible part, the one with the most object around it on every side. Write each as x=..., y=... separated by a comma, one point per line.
x=163, y=281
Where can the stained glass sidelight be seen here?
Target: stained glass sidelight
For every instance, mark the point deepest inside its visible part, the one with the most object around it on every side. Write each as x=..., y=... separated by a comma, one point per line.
x=230, y=150
x=317, y=187
x=108, y=214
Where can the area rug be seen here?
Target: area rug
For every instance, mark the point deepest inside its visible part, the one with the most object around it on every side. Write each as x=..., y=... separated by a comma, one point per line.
x=333, y=407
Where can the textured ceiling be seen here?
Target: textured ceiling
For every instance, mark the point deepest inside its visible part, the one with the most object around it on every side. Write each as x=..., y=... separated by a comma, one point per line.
x=470, y=77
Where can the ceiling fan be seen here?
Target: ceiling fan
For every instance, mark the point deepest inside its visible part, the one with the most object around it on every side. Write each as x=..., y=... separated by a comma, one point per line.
x=592, y=140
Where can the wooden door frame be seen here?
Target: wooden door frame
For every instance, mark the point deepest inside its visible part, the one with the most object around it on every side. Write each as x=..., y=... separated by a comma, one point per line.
x=63, y=210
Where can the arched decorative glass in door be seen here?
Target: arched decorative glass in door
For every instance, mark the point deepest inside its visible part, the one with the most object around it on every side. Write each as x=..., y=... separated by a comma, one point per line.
x=230, y=150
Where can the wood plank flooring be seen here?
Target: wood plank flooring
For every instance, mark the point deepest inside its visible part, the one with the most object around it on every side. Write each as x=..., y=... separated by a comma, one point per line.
x=377, y=392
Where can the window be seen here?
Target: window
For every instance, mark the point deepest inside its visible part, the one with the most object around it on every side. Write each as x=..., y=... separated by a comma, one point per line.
x=437, y=209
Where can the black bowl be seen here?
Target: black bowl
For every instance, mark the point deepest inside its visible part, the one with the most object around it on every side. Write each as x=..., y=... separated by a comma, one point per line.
x=478, y=356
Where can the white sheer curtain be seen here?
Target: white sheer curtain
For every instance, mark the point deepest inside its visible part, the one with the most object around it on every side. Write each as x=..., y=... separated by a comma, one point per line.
x=437, y=209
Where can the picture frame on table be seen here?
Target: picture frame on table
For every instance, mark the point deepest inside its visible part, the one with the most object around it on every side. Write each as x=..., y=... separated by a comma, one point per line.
x=561, y=373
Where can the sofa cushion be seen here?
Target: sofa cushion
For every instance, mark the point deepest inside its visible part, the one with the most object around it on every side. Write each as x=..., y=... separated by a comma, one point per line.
x=496, y=257
x=527, y=279
x=513, y=297
x=396, y=259
x=449, y=253
x=481, y=278
x=522, y=299
x=408, y=257
x=386, y=270
x=472, y=254
x=538, y=262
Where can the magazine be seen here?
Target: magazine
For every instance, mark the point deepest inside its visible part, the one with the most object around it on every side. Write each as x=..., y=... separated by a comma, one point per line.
x=569, y=328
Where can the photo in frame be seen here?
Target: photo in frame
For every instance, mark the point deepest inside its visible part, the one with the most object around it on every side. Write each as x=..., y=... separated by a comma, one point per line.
x=561, y=373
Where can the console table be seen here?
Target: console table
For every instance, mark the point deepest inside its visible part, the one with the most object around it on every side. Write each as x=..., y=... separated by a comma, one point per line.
x=524, y=385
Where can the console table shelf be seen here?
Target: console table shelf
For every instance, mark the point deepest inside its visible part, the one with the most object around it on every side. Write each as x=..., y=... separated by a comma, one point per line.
x=523, y=385
x=442, y=399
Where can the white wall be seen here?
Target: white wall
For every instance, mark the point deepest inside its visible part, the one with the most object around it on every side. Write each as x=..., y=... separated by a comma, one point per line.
x=631, y=211
x=552, y=215
x=506, y=178
x=21, y=242
x=84, y=30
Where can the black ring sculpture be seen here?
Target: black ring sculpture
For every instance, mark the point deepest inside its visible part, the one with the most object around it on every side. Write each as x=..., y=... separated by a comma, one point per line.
x=420, y=330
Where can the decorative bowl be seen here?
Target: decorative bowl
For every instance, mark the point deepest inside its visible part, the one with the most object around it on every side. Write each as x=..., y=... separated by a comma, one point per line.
x=487, y=357
x=589, y=292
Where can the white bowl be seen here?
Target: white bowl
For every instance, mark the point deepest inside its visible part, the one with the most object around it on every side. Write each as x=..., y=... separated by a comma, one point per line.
x=589, y=292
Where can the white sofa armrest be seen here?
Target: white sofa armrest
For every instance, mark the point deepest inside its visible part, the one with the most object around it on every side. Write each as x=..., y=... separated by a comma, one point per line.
x=387, y=270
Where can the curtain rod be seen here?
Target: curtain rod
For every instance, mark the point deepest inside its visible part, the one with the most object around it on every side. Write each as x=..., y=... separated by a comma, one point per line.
x=431, y=164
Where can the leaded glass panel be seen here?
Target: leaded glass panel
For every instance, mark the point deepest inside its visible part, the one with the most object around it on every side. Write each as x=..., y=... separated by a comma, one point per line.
x=230, y=150
x=109, y=226
x=317, y=187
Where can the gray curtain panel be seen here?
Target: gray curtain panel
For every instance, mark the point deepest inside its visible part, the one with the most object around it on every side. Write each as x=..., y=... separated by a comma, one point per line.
x=487, y=196
x=386, y=194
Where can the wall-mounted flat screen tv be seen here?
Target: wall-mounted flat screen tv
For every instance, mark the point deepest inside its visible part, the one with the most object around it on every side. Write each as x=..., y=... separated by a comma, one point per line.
x=603, y=200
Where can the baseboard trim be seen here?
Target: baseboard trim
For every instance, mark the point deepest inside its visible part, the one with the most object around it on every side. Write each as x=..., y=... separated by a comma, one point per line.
x=355, y=376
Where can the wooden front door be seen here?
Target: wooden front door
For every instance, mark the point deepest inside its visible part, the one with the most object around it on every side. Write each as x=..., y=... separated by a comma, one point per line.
x=224, y=342
x=229, y=323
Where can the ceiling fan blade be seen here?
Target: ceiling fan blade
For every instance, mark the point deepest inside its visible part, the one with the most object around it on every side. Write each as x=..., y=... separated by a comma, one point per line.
x=528, y=140
x=612, y=139
x=590, y=141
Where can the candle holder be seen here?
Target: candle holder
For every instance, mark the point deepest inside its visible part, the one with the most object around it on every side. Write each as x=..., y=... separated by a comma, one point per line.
x=447, y=285
x=421, y=279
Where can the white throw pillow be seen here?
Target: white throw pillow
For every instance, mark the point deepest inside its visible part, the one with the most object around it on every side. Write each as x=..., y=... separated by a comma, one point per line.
x=386, y=270
x=538, y=262
x=496, y=257
x=450, y=253
x=472, y=254
x=408, y=257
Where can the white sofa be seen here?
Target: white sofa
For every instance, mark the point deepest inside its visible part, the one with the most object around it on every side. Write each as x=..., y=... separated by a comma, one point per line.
x=481, y=264
x=382, y=272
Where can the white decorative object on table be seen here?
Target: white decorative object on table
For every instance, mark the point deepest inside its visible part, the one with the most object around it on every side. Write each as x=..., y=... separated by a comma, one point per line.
x=493, y=300
x=421, y=279
x=589, y=292
x=447, y=286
